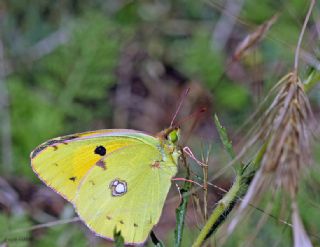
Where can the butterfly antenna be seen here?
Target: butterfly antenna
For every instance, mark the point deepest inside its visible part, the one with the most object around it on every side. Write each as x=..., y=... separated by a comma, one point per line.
x=195, y=115
x=179, y=106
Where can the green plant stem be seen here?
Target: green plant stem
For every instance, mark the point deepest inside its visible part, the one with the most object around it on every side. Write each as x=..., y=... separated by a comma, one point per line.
x=257, y=160
x=226, y=204
x=217, y=216
x=182, y=209
x=181, y=213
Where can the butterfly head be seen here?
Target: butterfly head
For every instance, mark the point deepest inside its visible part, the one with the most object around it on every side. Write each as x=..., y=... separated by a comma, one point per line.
x=170, y=135
x=174, y=136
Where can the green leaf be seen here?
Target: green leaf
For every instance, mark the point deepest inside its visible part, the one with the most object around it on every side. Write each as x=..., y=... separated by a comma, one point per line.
x=118, y=239
x=181, y=213
x=224, y=137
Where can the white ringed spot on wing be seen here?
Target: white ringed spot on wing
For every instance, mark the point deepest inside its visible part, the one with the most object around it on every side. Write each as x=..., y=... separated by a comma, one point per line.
x=118, y=187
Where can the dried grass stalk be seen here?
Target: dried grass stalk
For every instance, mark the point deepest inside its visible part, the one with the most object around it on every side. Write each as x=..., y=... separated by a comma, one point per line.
x=285, y=129
x=300, y=236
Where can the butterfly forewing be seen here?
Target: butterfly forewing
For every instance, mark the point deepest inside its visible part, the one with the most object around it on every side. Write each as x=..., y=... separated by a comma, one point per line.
x=62, y=162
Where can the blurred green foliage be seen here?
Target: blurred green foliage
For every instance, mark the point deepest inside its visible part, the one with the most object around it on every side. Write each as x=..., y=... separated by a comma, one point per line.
x=64, y=235
x=8, y=226
x=67, y=90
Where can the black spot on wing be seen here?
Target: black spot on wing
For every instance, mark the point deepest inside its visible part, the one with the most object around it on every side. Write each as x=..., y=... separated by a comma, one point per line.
x=100, y=150
x=73, y=179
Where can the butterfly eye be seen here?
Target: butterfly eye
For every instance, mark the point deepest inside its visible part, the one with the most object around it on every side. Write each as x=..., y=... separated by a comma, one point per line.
x=173, y=136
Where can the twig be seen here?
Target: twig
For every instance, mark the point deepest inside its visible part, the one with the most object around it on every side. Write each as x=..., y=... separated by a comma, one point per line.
x=49, y=224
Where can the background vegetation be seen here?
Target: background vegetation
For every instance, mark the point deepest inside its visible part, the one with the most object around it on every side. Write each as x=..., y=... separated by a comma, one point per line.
x=73, y=65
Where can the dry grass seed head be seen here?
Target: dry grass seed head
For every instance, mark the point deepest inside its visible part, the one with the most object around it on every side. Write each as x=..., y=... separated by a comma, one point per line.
x=285, y=130
x=288, y=136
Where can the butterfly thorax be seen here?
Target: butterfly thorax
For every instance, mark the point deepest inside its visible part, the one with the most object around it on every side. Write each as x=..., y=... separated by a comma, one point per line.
x=169, y=139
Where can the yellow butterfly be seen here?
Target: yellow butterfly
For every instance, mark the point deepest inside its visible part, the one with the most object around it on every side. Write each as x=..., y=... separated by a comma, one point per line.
x=115, y=178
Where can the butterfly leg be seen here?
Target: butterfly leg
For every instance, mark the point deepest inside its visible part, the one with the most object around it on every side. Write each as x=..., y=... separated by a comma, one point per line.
x=188, y=151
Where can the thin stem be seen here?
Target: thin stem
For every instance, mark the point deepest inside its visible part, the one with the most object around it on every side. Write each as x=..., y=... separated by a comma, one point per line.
x=296, y=58
x=226, y=204
x=218, y=214
x=182, y=209
x=49, y=224
x=205, y=190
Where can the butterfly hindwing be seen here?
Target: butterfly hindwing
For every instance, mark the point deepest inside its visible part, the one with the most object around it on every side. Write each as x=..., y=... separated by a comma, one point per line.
x=128, y=195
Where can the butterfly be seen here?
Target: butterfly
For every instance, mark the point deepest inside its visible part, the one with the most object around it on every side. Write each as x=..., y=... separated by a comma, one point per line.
x=115, y=178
